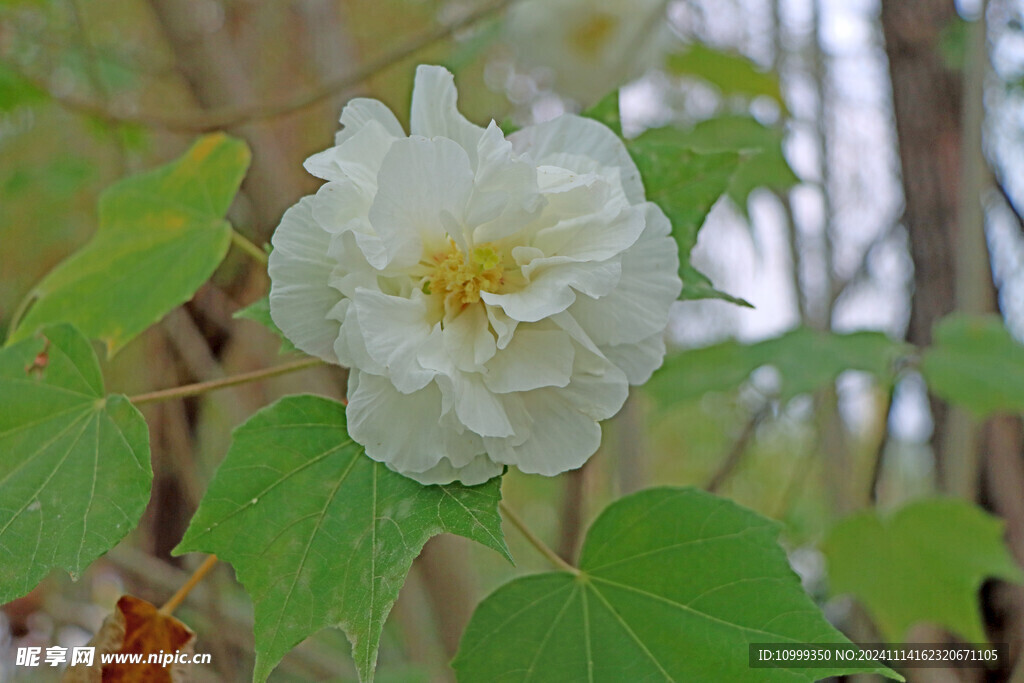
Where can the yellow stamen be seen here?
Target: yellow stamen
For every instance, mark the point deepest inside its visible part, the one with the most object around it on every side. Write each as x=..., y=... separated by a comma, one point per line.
x=459, y=283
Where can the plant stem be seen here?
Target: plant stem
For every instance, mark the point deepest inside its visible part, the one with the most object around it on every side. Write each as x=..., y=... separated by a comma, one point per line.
x=213, y=385
x=535, y=541
x=243, y=243
x=168, y=607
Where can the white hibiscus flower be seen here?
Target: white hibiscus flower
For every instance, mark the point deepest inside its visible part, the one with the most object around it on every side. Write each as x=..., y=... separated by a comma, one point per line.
x=591, y=46
x=493, y=297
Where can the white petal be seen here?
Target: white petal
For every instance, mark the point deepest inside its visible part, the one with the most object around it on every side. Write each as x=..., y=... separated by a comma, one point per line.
x=593, y=237
x=393, y=328
x=342, y=206
x=479, y=470
x=503, y=325
x=338, y=204
x=477, y=407
x=404, y=431
x=550, y=290
x=435, y=112
x=534, y=358
x=639, y=359
x=424, y=185
x=360, y=111
x=357, y=158
x=638, y=306
x=562, y=437
x=573, y=134
x=467, y=339
x=300, y=294
x=505, y=194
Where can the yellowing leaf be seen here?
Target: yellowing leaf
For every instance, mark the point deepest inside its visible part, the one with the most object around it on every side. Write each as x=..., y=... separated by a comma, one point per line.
x=136, y=627
x=161, y=236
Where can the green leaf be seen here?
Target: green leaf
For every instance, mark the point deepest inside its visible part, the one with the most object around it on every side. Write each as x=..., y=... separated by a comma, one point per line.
x=806, y=359
x=764, y=164
x=685, y=184
x=731, y=73
x=16, y=92
x=74, y=464
x=674, y=584
x=923, y=563
x=161, y=236
x=319, y=534
x=975, y=363
x=259, y=311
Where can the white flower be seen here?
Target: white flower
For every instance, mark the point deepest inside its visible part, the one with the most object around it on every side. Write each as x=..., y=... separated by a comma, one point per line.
x=493, y=297
x=591, y=46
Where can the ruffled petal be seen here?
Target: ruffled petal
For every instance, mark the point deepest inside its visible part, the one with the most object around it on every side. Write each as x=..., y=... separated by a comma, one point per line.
x=477, y=408
x=562, y=437
x=570, y=134
x=393, y=328
x=300, y=294
x=424, y=187
x=478, y=471
x=435, y=112
x=638, y=307
x=357, y=158
x=639, y=359
x=552, y=284
x=360, y=111
x=505, y=193
x=404, y=431
x=468, y=339
x=534, y=358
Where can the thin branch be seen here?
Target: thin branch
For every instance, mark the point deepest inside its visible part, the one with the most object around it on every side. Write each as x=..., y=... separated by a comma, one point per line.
x=1001, y=188
x=208, y=564
x=535, y=541
x=572, y=512
x=243, y=243
x=213, y=385
x=232, y=116
x=739, y=448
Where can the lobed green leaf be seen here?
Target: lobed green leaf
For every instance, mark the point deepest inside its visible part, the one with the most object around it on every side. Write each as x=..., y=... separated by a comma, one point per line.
x=673, y=585
x=975, y=363
x=161, y=236
x=74, y=463
x=806, y=359
x=319, y=534
x=922, y=563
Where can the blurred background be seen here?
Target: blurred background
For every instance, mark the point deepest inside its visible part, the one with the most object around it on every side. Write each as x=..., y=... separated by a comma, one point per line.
x=876, y=125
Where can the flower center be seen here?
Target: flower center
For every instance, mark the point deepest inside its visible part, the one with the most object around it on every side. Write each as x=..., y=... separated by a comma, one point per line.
x=590, y=38
x=459, y=280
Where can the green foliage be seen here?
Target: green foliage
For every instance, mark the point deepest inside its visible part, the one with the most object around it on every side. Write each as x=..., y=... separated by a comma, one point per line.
x=673, y=585
x=161, y=235
x=74, y=463
x=975, y=363
x=806, y=359
x=321, y=535
x=685, y=184
x=764, y=164
x=923, y=563
x=731, y=73
x=16, y=92
x=259, y=311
